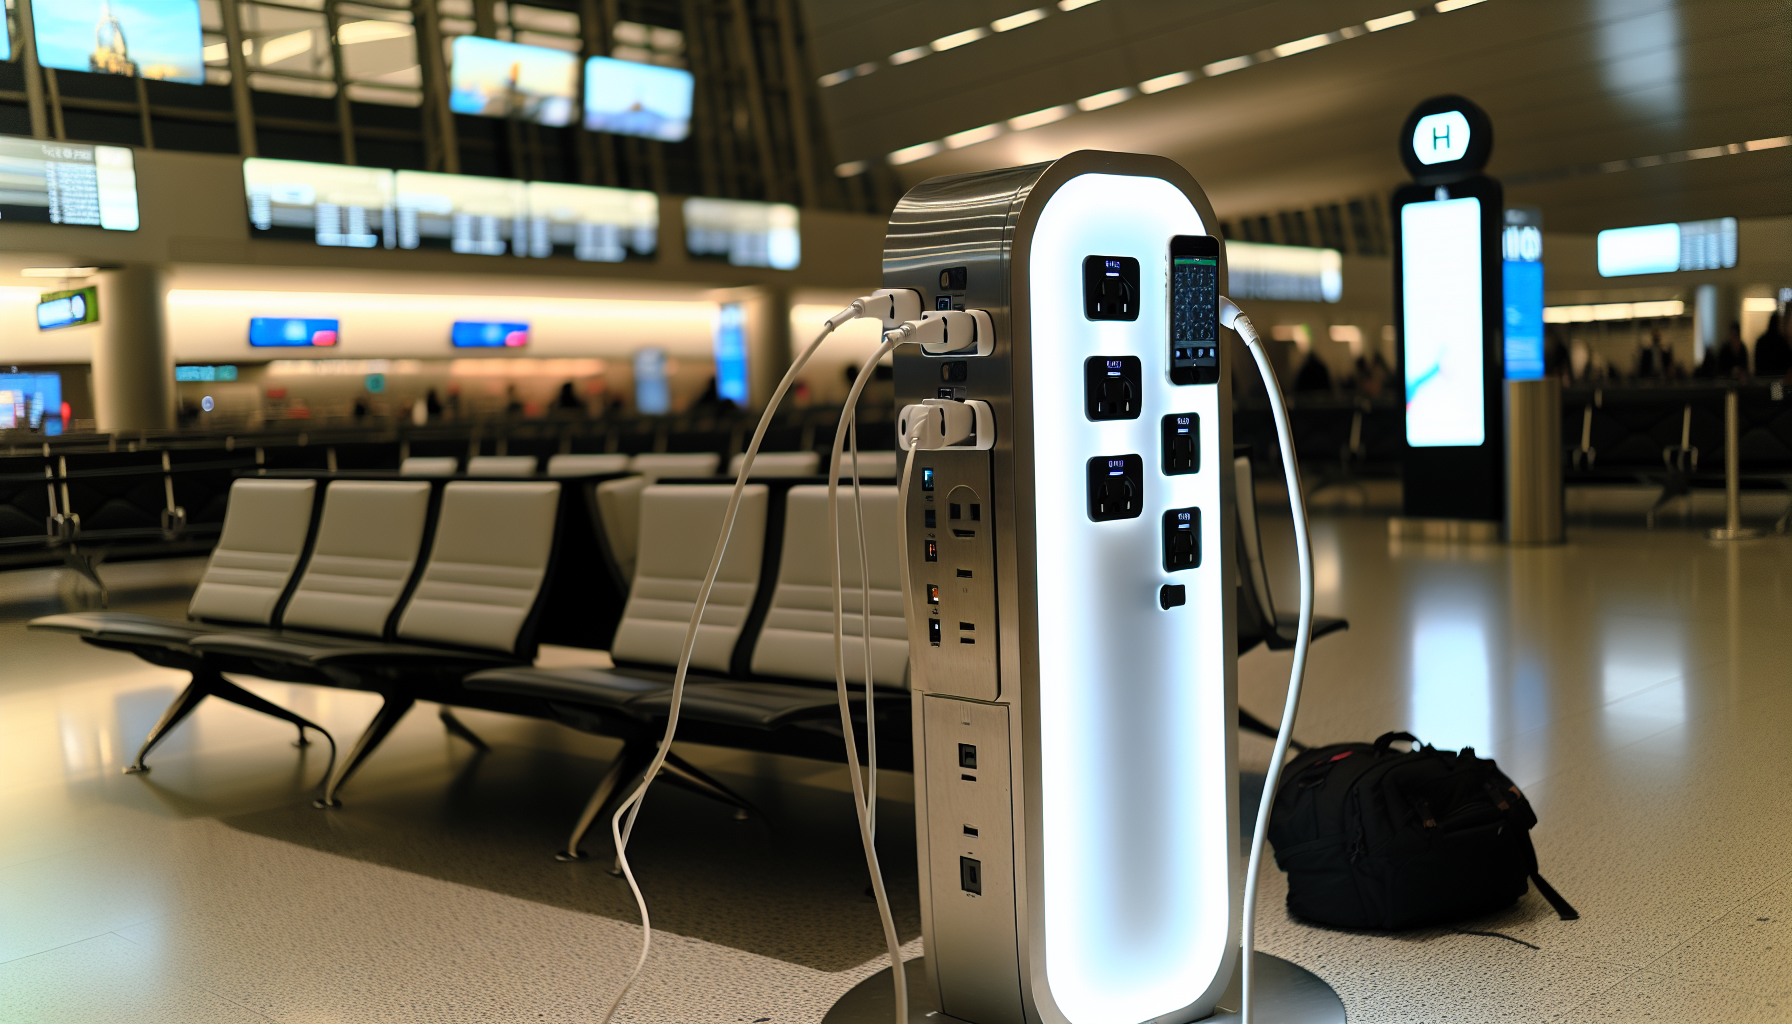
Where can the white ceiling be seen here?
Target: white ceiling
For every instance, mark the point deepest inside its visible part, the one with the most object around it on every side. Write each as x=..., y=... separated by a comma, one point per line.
x=1569, y=84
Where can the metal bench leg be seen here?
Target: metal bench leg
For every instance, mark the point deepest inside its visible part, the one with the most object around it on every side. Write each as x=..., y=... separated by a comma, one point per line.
x=390, y=712
x=630, y=761
x=87, y=567
x=227, y=690
x=199, y=688
x=682, y=772
x=456, y=727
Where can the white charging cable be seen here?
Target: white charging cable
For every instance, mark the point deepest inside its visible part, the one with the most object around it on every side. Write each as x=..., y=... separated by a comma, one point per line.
x=891, y=305
x=1233, y=317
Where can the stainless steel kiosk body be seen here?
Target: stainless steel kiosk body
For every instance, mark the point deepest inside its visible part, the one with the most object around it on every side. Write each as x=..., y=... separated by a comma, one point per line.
x=1073, y=666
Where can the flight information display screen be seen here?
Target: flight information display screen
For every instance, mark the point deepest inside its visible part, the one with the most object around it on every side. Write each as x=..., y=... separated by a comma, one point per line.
x=330, y=204
x=460, y=213
x=1441, y=298
x=592, y=223
x=743, y=232
x=67, y=183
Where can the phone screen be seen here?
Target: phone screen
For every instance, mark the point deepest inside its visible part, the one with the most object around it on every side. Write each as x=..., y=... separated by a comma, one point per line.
x=1194, y=310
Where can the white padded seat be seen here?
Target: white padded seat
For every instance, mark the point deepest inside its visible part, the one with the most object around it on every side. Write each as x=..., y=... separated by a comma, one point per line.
x=486, y=566
x=797, y=640
x=367, y=544
x=265, y=526
x=501, y=465
x=654, y=465
x=878, y=465
x=587, y=465
x=679, y=528
x=429, y=465
x=770, y=465
x=619, y=509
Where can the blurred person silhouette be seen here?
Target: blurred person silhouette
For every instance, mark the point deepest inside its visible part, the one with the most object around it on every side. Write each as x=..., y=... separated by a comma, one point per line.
x=1313, y=375
x=1773, y=354
x=513, y=405
x=432, y=405
x=1556, y=359
x=1731, y=358
x=1654, y=359
x=568, y=399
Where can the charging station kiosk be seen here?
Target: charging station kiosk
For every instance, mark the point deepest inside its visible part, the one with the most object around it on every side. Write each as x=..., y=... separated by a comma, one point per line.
x=1072, y=573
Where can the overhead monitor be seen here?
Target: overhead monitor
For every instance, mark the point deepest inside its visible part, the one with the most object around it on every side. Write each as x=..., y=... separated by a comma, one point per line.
x=653, y=392
x=488, y=334
x=590, y=222
x=5, y=37
x=1441, y=291
x=493, y=78
x=205, y=373
x=32, y=401
x=67, y=183
x=292, y=332
x=1284, y=273
x=68, y=308
x=627, y=98
x=745, y=233
x=1666, y=248
x=158, y=39
x=460, y=213
x=330, y=204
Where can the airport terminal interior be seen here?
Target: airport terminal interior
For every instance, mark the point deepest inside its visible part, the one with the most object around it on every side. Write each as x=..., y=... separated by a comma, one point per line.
x=800, y=511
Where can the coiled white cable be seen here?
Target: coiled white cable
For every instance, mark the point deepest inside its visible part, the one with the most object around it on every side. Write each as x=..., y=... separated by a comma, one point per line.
x=1233, y=317
x=630, y=807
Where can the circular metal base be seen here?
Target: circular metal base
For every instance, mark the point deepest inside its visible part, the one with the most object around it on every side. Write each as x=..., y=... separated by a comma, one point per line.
x=1286, y=994
x=1746, y=533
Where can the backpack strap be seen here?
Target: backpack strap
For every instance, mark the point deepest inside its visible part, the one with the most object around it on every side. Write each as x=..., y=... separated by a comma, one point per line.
x=1386, y=740
x=1563, y=909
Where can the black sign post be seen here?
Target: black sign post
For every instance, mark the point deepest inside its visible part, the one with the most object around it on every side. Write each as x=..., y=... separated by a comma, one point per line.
x=1449, y=314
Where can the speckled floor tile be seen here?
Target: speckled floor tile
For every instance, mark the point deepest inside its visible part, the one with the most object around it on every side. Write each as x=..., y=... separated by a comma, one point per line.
x=1656, y=997
x=1748, y=949
x=108, y=978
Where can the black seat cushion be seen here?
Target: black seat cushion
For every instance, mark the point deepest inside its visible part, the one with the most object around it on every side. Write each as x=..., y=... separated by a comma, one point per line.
x=614, y=689
x=315, y=649
x=751, y=705
x=124, y=627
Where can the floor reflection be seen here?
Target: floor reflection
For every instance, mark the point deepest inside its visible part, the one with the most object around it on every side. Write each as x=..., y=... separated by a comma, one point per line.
x=1451, y=696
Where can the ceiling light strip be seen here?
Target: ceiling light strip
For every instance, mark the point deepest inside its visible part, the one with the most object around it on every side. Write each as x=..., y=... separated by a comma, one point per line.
x=1101, y=100
x=1637, y=163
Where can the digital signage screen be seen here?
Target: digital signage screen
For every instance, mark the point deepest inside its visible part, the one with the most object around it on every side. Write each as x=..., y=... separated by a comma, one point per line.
x=330, y=204
x=292, y=332
x=68, y=309
x=745, y=233
x=1666, y=248
x=626, y=98
x=1441, y=295
x=592, y=223
x=31, y=400
x=488, y=334
x=460, y=213
x=158, y=39
x=67, y=183
x=493, y=78
x=731, y=353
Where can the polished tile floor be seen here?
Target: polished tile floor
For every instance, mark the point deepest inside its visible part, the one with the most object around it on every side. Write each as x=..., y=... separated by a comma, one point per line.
x=1638, y=685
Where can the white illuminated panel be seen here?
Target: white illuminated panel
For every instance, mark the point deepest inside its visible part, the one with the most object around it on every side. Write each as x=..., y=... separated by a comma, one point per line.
x=1439, y=138
x=1284, y=273
x=1132, y=700
x=1649, y=249
x=1441, y=292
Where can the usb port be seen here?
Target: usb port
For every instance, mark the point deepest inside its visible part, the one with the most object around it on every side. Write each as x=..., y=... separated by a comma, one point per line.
x=964, y=574
x=933, y=632
x=969, y=831
x=966, y=640
x=970, y=876
x=964, y=533
x=967, y=626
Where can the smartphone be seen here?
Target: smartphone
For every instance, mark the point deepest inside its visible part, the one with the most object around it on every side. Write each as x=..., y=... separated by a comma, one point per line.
x=1194, y=309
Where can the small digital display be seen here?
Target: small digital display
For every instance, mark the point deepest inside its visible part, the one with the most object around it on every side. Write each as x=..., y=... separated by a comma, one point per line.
x=295, y=332
x=1194, y=319
x=205, y=373
x=488, y=334
x=68, y=309
x=926, y=478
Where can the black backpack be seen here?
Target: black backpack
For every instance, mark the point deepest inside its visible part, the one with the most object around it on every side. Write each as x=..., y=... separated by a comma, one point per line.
x=1375, y=838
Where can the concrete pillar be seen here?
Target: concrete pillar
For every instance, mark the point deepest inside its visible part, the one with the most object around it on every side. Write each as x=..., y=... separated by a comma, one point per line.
x=133, y=372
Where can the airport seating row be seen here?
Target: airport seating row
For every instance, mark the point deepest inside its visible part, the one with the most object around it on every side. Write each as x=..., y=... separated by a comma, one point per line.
x=340, y=592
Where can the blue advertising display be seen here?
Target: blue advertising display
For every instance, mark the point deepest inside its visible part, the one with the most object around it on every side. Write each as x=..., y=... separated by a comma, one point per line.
x=488, y=334
x=158, y=39
x=31, y=400
x=731, y=353
x=647, y=100
x=284, y=332
x=653, y=394
x=1521, y=246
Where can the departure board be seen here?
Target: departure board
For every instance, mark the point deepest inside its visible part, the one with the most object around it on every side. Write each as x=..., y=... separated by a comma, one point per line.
x=67, y=183
x=745, y=233
x=461, y=213
x=330, y=204
x=602, y=225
